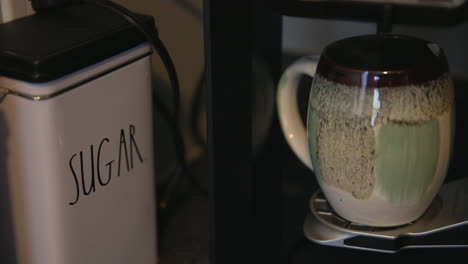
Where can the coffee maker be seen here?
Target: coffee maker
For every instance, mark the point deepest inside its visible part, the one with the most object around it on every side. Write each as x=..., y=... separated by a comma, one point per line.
x=271, y=200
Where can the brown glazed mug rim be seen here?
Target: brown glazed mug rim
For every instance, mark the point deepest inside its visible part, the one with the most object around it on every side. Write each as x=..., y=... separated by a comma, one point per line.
x=383, y=60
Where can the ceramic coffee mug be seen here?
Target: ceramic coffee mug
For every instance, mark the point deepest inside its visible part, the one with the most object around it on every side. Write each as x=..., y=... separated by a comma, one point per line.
x=380, y=125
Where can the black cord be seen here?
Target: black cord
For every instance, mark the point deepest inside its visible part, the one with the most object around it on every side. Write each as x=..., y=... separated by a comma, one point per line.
x=174, y=119
x=153, y=37
x=195, y=111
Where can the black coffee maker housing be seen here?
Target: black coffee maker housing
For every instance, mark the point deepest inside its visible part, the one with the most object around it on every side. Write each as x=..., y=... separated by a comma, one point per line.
x=259, y=202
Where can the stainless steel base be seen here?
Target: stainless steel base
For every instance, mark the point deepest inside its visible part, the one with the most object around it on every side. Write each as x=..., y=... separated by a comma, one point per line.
x=444, y=224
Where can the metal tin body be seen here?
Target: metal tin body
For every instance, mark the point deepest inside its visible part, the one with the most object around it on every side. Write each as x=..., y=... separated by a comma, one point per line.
x=78, y=155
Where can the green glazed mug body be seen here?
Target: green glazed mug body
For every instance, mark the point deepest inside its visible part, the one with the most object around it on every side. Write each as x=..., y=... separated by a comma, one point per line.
x=380, y=125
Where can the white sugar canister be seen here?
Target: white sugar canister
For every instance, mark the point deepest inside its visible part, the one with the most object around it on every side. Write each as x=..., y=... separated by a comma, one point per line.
x=76, y=146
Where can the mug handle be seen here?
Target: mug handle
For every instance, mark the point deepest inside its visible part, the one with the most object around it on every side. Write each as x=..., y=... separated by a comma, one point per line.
x=291, y=123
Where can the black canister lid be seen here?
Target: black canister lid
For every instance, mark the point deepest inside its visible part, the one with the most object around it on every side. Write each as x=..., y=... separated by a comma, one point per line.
x=49, y=45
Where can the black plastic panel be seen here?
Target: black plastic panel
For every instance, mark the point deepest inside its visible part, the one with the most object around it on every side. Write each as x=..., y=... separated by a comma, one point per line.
x=373, y=12
x=244, y=188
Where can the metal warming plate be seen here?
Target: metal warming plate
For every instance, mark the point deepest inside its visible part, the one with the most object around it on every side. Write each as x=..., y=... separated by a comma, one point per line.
x=444, y=224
